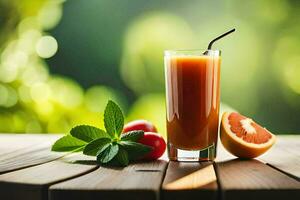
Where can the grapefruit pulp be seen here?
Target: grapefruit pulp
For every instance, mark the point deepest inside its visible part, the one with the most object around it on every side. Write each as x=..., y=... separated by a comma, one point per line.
x=244, y=138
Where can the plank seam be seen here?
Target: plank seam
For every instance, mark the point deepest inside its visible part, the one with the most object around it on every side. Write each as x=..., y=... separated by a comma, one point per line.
x=220, y=192
x=284, y=172
x=162, y=181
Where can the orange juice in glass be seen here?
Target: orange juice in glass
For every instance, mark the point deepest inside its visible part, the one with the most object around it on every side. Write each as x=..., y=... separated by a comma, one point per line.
x=192, y=99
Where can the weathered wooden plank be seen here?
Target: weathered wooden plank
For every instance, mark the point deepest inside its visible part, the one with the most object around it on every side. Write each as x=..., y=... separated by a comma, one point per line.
x=252, y=179
x=189, y=179
x=285, y=155
x=24, y=150
x=32, y=183
x=134, y=182
x=239, y=179
x=10, y=143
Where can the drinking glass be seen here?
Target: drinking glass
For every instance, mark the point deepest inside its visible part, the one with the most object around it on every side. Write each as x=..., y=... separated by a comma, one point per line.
x=192, y=98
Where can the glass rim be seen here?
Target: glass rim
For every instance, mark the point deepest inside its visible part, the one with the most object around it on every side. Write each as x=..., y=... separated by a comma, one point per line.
x=192, y=52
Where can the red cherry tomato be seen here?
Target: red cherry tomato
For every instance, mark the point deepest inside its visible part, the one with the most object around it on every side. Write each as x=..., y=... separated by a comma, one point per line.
x=157, y=142
x=139, y=125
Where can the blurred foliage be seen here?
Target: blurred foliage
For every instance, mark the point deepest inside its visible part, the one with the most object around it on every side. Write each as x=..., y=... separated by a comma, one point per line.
x=58, y=69
x=31, y=99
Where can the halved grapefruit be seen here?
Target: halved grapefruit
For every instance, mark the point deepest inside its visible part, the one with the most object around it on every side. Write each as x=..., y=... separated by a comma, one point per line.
x=244, y=138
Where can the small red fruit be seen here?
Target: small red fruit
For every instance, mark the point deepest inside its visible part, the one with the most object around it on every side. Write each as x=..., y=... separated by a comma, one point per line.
x=143, y=125
x=156, y=142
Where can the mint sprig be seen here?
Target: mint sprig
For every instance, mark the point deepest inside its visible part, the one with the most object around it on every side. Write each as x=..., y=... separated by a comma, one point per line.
x=110, y=147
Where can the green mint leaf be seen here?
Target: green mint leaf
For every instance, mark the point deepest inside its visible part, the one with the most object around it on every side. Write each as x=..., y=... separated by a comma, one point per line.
x=94, y=146
x=113, y=119
x=122, y=157
x=88, y=133
x=132, y=136
x=103, y=148
x=107, y=153
x=135, y=150
x=68, y=143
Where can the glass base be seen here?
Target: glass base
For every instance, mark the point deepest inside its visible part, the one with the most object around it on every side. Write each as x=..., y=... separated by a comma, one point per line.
x=207, y=154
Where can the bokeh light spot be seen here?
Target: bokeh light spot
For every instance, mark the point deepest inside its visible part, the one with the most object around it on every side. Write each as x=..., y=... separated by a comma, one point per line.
x=34, y=73
x=40, y=92
x=8, y=96
x=24, y=93
x=7, y=74
x=28, y=40
x=28, y=23
x=44, y=109
x=46, y=46
x=50, y=14
x=66, y=92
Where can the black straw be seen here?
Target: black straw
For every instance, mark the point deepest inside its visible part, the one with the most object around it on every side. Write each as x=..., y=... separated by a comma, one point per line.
x=223, y=35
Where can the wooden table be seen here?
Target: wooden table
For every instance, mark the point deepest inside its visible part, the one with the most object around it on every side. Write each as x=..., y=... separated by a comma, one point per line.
x=30, y=171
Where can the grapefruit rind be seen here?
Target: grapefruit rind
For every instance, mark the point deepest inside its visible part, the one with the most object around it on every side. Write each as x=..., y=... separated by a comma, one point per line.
x=237, y=146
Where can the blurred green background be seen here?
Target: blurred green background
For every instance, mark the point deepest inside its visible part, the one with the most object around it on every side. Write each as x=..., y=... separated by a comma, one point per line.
x=60, y=61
